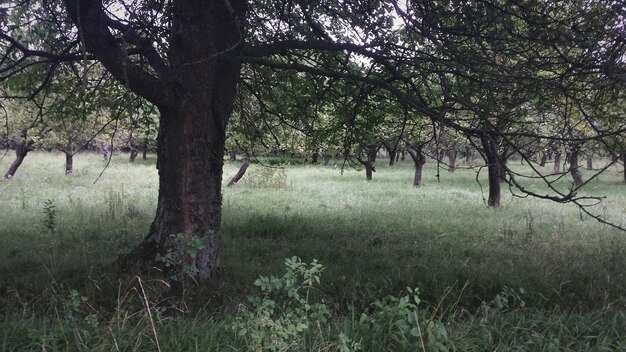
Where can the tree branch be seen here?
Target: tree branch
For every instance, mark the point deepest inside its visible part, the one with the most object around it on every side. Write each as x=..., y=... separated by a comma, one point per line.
x=93, y=24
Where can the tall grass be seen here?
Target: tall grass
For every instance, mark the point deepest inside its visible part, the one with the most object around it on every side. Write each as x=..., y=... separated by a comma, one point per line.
x=374, y=238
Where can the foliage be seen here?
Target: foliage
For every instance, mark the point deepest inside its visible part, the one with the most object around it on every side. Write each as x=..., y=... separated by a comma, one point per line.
x=405, y=325
x=277, y=320
x=184, y=252
x=506, y=300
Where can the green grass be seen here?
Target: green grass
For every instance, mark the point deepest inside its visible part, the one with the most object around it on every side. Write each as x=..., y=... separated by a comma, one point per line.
x=374, y=239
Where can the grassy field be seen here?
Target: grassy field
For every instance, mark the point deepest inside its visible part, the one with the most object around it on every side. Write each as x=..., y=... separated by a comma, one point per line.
x=531, y=275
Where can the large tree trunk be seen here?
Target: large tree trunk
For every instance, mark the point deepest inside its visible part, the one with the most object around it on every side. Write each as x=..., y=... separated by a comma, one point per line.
x=240, y=172
x=22, y=147
x=144, y=151
x=190, y=154
x=490, y=149
x=419, y=159
x=191, y=141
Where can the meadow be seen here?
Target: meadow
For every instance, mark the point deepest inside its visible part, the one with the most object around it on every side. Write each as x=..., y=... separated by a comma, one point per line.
x=532, y=275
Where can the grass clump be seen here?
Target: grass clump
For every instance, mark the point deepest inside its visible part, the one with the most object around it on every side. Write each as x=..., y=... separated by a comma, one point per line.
x=265, y=177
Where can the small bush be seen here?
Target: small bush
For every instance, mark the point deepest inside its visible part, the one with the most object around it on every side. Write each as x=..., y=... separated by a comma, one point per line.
x=278, y=319
x=403, y=325
x=50, y=215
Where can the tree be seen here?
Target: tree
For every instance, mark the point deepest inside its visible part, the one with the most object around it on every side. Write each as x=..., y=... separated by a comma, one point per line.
x=24, y=128
x=415, y=138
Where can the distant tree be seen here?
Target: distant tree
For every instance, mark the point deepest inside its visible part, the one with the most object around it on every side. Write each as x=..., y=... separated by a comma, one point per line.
x=24, y=131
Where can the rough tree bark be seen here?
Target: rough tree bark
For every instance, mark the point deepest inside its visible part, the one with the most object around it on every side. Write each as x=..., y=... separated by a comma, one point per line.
x=419, y=159
x=194, y=92
x=22, y=147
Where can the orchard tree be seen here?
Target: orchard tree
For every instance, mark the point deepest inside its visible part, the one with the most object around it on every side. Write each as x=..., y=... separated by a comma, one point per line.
x=24, y=131
x=418, y=134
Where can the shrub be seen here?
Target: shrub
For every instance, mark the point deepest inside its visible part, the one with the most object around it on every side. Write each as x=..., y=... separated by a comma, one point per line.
x=277, y=319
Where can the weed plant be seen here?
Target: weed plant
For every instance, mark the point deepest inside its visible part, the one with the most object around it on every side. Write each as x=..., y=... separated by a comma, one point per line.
x=531, y=275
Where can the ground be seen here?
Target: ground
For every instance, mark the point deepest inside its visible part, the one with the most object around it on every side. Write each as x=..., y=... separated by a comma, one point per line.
x=532, y=275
